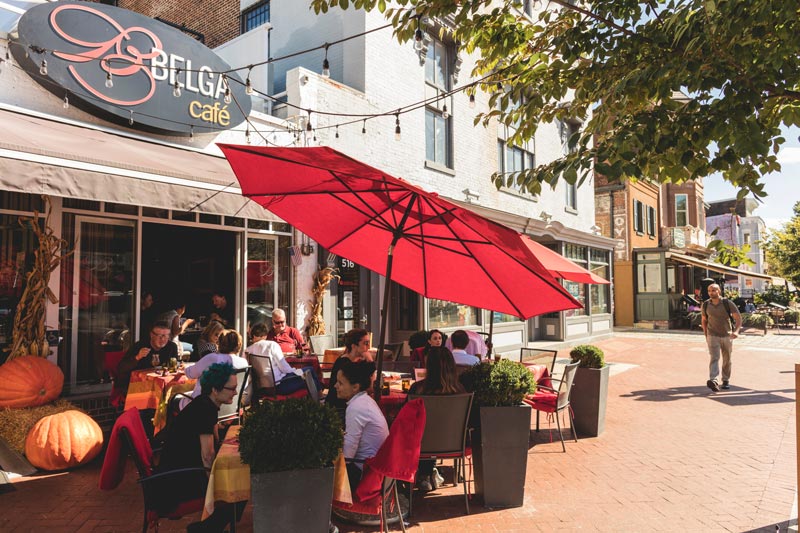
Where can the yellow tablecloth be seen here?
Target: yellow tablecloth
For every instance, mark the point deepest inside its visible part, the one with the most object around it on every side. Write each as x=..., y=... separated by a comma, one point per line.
x=230, y=478
x=148, y=389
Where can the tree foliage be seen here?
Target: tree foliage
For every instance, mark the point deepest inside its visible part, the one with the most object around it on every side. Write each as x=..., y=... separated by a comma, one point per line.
x=783, y=249
x=730, y=255
x=671, y=90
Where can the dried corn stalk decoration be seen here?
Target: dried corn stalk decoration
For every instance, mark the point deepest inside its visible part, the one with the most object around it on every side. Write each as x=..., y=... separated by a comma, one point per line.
x=322, y=278
x=28, y=334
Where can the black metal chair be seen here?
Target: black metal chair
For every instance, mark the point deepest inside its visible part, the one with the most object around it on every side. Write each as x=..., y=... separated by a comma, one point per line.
x=445, y=435
x=230, y=412
x=395, y=348
x=265, y=390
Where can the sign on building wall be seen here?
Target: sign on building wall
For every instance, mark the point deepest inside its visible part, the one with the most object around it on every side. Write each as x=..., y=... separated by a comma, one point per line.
x=124, y=67
x=621, y=234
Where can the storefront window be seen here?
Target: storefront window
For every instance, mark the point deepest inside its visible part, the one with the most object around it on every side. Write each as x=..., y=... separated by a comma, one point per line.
x=598, y=293
x=443, y=314
x=576, y=254
x=502, y=318
x=649, y=277
x=284, y=242
x=261, y=279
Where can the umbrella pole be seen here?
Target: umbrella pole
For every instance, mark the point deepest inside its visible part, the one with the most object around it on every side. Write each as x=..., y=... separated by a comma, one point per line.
x=489, y=340
x=382, y=333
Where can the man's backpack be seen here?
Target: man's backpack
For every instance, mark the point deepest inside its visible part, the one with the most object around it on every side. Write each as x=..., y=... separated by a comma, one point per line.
x=726, y=303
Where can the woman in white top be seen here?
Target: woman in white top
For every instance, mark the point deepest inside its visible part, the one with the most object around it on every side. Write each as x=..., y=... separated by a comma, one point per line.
x=365, y=423
x=230, y=346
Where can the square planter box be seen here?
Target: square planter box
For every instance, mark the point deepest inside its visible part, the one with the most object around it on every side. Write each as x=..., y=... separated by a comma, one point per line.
x=500, y=455
x=589, y=397
x=294, y=500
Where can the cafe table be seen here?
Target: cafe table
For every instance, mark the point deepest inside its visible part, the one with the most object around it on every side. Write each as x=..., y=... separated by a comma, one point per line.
x=152, y=389
x=229, y=480
x=305, y=361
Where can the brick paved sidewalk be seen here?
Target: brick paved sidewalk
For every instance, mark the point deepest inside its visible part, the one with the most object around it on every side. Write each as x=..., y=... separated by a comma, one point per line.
x=674, y=457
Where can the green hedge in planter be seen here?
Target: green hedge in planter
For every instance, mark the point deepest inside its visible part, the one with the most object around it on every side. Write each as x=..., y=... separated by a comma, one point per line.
x=295, y=434
x=757, y=320
x=791, y=316
x=501, y=384
x=588, y=356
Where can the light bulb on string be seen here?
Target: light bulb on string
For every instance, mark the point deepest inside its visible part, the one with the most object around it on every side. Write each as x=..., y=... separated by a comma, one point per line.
x=43, y=68
x=326, y=66
x=445, y=112
x=315, y=135
x=176, y=89
x=248, y=85
x=418, y=38
x=66, y=102
x=247, y=134
x=472, y=101
x=308, y=124
x=397, y=127
x=364, y=127
x=337, y=131
x=130, y=118
x=227, y=98
x=109, y=80
x=191, y=132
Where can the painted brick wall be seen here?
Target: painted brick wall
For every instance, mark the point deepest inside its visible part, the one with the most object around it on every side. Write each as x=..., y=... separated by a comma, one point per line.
x=217, y=20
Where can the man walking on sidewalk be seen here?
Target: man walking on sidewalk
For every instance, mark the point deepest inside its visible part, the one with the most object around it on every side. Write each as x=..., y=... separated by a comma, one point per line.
x=721, y=324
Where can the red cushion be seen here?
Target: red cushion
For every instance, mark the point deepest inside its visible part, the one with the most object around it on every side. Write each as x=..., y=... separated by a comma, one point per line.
x=542, y=401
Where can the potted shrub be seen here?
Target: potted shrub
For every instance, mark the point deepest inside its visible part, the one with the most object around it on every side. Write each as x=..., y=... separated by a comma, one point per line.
x=502, y=430
x=590, y=390
x=291, y=446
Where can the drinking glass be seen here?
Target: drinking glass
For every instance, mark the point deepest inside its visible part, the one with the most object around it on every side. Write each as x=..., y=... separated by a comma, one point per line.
x=406, y=383
x=155, y=360
x=497, y=357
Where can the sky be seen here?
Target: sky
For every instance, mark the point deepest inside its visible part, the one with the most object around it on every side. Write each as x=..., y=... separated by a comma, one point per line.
x=781, y=188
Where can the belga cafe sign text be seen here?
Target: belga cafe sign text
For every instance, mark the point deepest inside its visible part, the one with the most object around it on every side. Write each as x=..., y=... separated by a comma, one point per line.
x=124, y=67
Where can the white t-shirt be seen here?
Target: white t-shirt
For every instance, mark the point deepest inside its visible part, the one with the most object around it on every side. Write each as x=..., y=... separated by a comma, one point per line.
x=366, y=428
x=280, y=367
x=197, y=369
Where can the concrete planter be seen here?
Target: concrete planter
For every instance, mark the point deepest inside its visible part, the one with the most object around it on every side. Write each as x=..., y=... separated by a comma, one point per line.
x=500, y=455
x=294, y=500
x=589, y=398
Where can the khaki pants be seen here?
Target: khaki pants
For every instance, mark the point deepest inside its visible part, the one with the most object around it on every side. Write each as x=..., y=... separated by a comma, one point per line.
x=717, y=346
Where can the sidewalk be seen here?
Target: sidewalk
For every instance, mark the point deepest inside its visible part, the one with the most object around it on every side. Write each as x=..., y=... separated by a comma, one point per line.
x=674, y=457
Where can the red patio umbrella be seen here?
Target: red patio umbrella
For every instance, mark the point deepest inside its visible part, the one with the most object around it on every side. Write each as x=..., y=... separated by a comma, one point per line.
x=396, y=229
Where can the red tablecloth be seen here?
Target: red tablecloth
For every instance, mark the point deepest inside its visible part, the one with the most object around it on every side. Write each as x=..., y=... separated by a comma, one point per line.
x=148, y=389
x=390, y=405
x=306, y=360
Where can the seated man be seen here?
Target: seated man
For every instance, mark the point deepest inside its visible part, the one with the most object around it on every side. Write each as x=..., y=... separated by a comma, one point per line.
x=146, y=353
x=475, y=345
x=220, y=310
x=286, y=379
x=287, y=337
x=190, y=443
x=460, y=340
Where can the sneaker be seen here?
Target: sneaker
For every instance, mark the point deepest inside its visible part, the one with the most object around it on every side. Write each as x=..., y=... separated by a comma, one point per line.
x=725, y=385
x=424, y=485
x=712, y=384
x=436, y=479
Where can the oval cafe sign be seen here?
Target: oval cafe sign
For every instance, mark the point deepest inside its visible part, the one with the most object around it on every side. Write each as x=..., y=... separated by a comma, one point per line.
x=123, y=66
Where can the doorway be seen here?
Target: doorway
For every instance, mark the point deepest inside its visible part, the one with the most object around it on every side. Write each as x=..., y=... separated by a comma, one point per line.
x=189, y=264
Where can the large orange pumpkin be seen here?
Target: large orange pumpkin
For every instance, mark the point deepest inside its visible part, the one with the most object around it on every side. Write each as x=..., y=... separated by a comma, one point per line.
x=63, y=440
x=29, y=381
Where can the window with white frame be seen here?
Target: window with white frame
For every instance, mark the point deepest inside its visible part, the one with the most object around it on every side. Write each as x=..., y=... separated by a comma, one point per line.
x=438, y=129
x=681, y=210
x=511, y=160
x=651, y=221
x=638, y=216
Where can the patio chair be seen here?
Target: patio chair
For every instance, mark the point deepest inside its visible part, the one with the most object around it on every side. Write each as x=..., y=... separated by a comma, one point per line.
x=554, y=401
x=259, y=390
x=128, y=438
x=540, y=357
x=320, y=343
x=395, y=348
x=445, y=435
x=396, y=460
x=406, y=367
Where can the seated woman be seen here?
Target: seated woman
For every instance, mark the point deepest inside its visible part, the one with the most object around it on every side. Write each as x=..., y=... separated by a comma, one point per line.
x=365, y=423
x=440, y=378
x=207, y=343
x=435, y=338
x=230, y=346
x=190, y=443
x=356, y=342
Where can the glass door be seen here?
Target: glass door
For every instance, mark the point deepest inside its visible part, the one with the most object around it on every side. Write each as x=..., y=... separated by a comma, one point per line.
x=262, y=279
x=102, y=282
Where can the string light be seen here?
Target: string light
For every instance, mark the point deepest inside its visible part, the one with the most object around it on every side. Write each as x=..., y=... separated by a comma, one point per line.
x=315, y=135
x=326, y=66
x=308, y=124
x=109, y=81
x=66, y=102
x=227, y=98
x=191, y=132
x=418, y=37
x=43, y=68
x=337, y=131
x=248, y=86
x=397, y=127
x=364, y=127
x=130, y=119
x=247, y=134
x=472, y=101
x=445, y=113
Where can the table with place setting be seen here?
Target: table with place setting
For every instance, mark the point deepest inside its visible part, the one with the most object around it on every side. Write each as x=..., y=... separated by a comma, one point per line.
x=152, y=388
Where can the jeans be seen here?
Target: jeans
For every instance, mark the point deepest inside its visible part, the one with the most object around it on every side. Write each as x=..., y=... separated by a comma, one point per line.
x=717, y=346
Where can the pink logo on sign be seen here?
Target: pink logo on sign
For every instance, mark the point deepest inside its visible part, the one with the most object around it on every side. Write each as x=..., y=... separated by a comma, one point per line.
x=114, y=56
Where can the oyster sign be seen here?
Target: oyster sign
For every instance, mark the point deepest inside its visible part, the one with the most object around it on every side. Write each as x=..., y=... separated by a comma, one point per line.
x=125, y=67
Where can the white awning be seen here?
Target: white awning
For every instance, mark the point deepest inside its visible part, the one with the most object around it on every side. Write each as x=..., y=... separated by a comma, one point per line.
x=716, y=267
x=41, y=156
